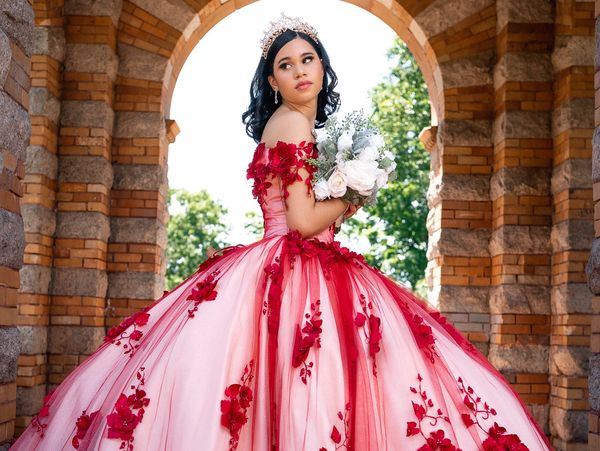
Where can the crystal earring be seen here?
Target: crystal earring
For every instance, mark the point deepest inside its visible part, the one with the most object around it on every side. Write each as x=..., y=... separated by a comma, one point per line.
x=275, y=96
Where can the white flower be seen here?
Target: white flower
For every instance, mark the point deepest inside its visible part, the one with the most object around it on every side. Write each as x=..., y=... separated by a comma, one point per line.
x=369, y=153
x=361, y=175
x=321, y=190
x=391, y=167
x=382, y=178
x=337, y=183
x=345, y=141
x=339, y=158
x=389, y=155
x=376, y=140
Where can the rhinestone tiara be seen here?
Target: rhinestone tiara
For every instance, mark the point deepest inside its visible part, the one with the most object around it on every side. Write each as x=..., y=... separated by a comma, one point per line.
x=279, y=26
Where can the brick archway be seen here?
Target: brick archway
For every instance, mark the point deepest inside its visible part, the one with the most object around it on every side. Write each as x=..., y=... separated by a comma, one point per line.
x=511, y=87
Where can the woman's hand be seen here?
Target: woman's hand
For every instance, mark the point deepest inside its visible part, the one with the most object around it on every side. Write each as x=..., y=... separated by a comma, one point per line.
x=210, y=251
x=351, y=210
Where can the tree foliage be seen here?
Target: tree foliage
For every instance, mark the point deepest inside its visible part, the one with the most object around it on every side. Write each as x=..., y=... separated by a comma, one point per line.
x=395, y=225
x=196, y=224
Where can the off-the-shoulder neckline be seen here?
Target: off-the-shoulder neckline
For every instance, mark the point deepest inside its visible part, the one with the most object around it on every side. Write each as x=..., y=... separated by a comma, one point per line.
x=264, y=144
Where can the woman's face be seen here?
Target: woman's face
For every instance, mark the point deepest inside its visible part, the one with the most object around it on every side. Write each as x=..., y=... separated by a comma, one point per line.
x=297, y=62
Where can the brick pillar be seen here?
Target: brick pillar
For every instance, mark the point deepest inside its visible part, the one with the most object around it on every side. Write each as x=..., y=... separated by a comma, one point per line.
x=79, y=281
x=16, y=47
x=572, y=229
x=593, y=266
x=520, y=192
x=38, y=208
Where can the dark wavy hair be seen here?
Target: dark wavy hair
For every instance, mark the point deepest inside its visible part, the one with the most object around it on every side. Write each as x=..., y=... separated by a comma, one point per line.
x=262, y=97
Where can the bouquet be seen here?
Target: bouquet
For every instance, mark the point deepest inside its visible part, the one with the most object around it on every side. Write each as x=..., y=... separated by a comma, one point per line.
x=353, y=161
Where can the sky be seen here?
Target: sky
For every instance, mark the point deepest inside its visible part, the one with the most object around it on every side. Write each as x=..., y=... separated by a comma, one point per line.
x=212, y=150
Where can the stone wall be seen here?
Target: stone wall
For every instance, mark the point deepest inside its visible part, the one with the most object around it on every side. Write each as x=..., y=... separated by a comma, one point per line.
x=83, y=202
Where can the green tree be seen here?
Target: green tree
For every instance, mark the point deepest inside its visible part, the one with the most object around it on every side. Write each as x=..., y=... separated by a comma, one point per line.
x=395, y=224
x=254, y=225
x=196, y=224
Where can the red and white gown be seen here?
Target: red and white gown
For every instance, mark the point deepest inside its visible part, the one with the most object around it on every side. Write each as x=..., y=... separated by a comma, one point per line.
x=284, y=344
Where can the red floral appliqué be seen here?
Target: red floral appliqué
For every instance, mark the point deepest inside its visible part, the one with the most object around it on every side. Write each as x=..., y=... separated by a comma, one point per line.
x=83, y=424
x=497, y=439
x=336, y=436
x=274, y=272
x=283, y=160
x=423, y=335
x=123, y=421
x=44, y=412
x=436, y=439
x=117, y=333
x=233, y=409
x=203, y=291
x=303, y=343
x=374, y=325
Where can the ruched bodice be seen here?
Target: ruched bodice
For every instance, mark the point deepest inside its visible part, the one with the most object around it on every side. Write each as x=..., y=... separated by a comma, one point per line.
x=272, y=195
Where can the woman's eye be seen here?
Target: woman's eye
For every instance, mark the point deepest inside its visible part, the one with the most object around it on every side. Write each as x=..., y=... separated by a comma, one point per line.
x=283, y=66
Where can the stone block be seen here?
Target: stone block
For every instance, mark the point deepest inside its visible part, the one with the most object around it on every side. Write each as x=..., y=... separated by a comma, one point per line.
x=572, y=51
x=572, y=174
x=74, y=339
x=176, y=13
x=78, y=282
x=596, y=155
x=439, y=16
x=521, y=124
x=17, y=21
x=30, y=399
x=34, y=339
x=9, y=352
x=138, y=230
x=35, y=279
x=110, y=8
x=85, y=169
x=49, y=41
x=540, y=413
x=87, y=113
x=12, y=239
x=458, y=187
x=82, y=224
x=569, y=425
x=594, y=381
x=517, y=239
x=43, y=103
x=520, y=181
x=571, y=298
x=135, y=285
x=139, y=177
x=523, y=67
x=475, y=133
x=518, y=11
x=38, y=219
x=575, y=113
x=137, y=124
x=38, y=160
x=520, y=299
x=572, y=235
x=592, y=268
x=458, y=299
x=471, y=71
x=93, y=58
x=569, y=360
x=459, y=242
x=519, y=358
x=5, y=57
x=15, y=127
x=141, y=64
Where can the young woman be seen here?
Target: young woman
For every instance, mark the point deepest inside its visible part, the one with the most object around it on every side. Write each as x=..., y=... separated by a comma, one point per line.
x=290, y=343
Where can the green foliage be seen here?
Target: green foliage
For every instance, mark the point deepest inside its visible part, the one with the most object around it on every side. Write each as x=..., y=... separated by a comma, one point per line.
x=196, y=225
x=395, y=224
x=254, y=225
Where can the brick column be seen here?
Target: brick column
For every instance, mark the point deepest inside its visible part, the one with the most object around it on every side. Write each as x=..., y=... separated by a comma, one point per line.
x=16, y=47
x=572, y=229
x=520, y=192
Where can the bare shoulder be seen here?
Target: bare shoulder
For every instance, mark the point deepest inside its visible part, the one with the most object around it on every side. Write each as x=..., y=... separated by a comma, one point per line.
x=287, y=126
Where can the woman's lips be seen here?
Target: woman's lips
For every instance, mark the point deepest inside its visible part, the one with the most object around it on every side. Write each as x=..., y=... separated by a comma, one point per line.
x=303, y=86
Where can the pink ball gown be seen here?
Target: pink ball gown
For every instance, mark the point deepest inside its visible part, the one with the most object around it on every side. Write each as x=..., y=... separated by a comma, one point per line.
x=284, y=344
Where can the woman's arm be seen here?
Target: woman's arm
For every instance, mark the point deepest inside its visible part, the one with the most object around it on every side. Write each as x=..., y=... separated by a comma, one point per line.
x=303, y=212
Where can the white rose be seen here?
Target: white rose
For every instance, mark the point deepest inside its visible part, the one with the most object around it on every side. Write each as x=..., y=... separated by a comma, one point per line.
x=369, y=153
x=339, y=157
x=377, y=140
x=361, y=175
x=382, y=178
x=391, y=167
x=337, y=183
x=321, y=190
x=389, y=155
x=345, y=141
